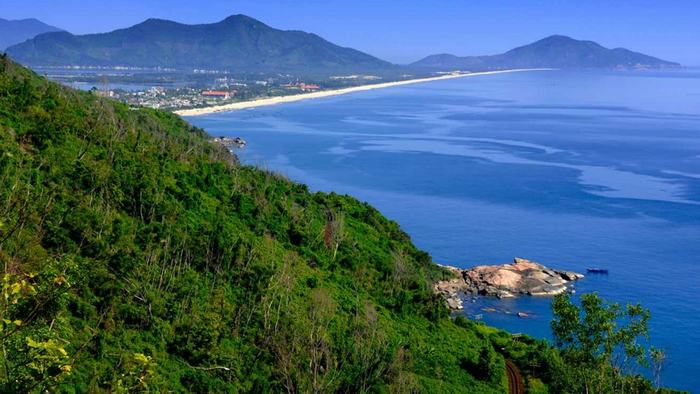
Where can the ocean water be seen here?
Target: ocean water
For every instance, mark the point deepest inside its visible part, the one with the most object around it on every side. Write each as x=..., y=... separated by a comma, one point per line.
x=571, y=169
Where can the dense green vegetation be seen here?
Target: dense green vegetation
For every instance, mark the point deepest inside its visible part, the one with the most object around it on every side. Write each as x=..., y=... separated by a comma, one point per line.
x=604, y=341
x=139, y=256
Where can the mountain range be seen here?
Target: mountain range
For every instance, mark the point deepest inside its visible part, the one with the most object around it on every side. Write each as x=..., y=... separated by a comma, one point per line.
x=242, y=44
x=16, y=31
x=555, y=51
x=238, y=42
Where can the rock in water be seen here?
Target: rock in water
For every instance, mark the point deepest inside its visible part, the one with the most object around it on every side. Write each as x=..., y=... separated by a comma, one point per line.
x=522, y=277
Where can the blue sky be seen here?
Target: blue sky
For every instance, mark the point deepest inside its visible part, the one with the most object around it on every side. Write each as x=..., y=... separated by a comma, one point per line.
x=406, y=30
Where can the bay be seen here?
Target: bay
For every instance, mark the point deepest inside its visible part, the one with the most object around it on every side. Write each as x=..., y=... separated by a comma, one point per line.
x=571, y=169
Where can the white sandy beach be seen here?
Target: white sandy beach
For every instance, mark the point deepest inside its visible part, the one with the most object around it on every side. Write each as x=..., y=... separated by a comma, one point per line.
x=329, y=93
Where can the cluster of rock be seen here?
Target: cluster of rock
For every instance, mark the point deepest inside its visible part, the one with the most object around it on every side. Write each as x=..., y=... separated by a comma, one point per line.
x=230, y=142
x=522, y=277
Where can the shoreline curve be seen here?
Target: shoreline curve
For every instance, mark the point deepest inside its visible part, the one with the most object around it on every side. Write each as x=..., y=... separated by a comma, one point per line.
x=336, y=92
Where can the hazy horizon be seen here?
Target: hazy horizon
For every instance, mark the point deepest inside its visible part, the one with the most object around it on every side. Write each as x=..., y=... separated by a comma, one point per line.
x=403, y=32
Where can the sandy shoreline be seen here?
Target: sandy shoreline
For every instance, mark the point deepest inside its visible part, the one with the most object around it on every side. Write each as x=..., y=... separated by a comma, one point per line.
x=330, y=93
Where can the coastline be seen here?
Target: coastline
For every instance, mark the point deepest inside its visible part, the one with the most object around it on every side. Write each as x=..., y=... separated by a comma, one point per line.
x=336, y=92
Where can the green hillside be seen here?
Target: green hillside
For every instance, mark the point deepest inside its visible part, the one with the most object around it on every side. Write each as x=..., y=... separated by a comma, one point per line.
x=138, y=256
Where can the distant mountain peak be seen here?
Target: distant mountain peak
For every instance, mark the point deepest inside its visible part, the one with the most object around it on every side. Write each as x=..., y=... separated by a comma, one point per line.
x=233, y=19
x=555, y=51
x=241, y=18
x=156, y=23
x=557, y=38
x=16, y=31
x=21, y=20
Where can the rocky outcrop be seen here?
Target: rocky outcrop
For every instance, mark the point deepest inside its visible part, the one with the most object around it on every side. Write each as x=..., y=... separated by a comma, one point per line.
x=522, y=277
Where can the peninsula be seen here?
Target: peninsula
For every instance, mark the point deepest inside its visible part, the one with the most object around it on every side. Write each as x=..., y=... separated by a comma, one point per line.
x=336, y=92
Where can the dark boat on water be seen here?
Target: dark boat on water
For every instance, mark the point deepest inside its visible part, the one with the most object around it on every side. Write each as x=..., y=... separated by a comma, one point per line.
x=597, y=270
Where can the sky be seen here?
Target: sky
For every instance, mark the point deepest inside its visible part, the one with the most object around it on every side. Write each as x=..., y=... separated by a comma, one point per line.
x=403, y=31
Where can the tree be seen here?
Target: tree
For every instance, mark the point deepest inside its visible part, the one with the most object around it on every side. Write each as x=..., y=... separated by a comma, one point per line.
x=334, y=232
x=658, y=363
x=599, y=340
x=135, y=375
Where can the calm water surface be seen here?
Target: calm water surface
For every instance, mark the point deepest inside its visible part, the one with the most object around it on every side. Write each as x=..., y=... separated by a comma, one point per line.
x=569, y=169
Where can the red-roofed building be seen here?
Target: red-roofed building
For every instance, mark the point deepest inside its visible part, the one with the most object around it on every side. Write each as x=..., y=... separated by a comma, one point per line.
x=216, y=93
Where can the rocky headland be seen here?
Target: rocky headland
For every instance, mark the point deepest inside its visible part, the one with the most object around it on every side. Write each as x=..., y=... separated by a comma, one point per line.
x=522, y=277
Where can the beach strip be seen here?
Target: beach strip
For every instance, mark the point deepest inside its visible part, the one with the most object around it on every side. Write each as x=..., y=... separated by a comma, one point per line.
x=329, y=93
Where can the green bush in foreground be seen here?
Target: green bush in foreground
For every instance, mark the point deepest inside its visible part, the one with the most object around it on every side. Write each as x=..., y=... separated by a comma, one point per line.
x=146, y=258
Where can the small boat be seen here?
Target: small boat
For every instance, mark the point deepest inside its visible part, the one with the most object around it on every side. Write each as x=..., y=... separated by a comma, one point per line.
x=597, y=270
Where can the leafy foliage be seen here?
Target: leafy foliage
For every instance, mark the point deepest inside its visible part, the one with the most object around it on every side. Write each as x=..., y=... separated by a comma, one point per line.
x=601, y=342
x=35, y=357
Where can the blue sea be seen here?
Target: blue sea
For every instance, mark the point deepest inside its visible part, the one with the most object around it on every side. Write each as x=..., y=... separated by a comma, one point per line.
x=570, y=169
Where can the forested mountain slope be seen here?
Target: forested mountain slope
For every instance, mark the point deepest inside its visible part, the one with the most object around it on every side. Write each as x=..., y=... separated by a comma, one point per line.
x=139, y=256
x=149, y=240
